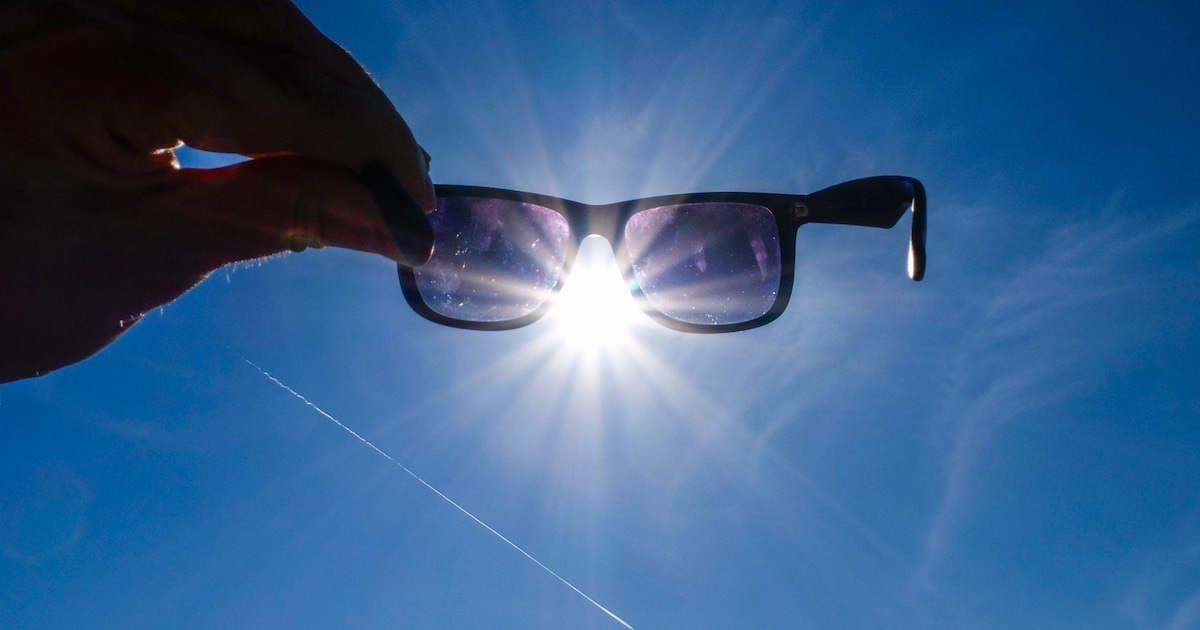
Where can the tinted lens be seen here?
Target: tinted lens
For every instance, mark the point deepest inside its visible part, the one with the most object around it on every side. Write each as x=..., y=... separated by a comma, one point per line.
x=493, y=260
x=706, y=263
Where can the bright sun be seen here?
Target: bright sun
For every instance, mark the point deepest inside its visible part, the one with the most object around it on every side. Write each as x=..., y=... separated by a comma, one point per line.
x=594, y=310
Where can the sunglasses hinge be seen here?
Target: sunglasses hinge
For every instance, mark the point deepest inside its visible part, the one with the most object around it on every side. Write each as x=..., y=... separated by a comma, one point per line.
x=799, y=210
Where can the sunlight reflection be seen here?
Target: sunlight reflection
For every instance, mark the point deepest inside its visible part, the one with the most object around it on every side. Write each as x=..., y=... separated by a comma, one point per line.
x=594, y=311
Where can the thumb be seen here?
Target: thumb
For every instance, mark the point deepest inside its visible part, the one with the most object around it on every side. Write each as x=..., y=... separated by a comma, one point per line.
x=272, y=204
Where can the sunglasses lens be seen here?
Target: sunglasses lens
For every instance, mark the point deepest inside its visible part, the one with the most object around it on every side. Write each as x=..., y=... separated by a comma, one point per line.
x=493, y=259
x=706, y=263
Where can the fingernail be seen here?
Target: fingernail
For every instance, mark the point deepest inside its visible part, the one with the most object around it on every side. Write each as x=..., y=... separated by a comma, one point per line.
x=406, y=221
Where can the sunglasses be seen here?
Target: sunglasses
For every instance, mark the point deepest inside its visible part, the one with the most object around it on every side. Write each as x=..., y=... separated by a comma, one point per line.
x=701, y=262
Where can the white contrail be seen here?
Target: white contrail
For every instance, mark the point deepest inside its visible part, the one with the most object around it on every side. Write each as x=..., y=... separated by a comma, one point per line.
x=435, y=491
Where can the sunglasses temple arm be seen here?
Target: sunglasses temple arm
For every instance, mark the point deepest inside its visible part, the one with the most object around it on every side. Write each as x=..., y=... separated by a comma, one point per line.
x=872, y=202
x=916, y=239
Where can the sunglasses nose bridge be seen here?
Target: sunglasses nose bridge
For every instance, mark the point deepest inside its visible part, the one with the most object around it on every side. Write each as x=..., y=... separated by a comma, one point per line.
x=588, y=220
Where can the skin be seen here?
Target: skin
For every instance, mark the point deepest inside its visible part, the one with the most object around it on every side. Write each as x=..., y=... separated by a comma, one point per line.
x=98, y=225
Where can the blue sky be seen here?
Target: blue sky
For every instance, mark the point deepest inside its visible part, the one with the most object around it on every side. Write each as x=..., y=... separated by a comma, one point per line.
x=1014, y=442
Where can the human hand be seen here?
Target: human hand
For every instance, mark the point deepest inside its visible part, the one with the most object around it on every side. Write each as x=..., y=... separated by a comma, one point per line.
x=98, y=225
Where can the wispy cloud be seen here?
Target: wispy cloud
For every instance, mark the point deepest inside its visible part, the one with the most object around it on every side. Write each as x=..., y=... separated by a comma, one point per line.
x=1160, y=600
x=1040, y=336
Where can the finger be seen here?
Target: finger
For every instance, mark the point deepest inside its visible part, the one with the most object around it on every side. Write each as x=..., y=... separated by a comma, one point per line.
x=406, y=221
x=267, y=25
x=212, y=217
x=228, y=97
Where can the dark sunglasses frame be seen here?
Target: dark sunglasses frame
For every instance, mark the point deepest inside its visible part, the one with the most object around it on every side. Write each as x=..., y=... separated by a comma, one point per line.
x=871, y=202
